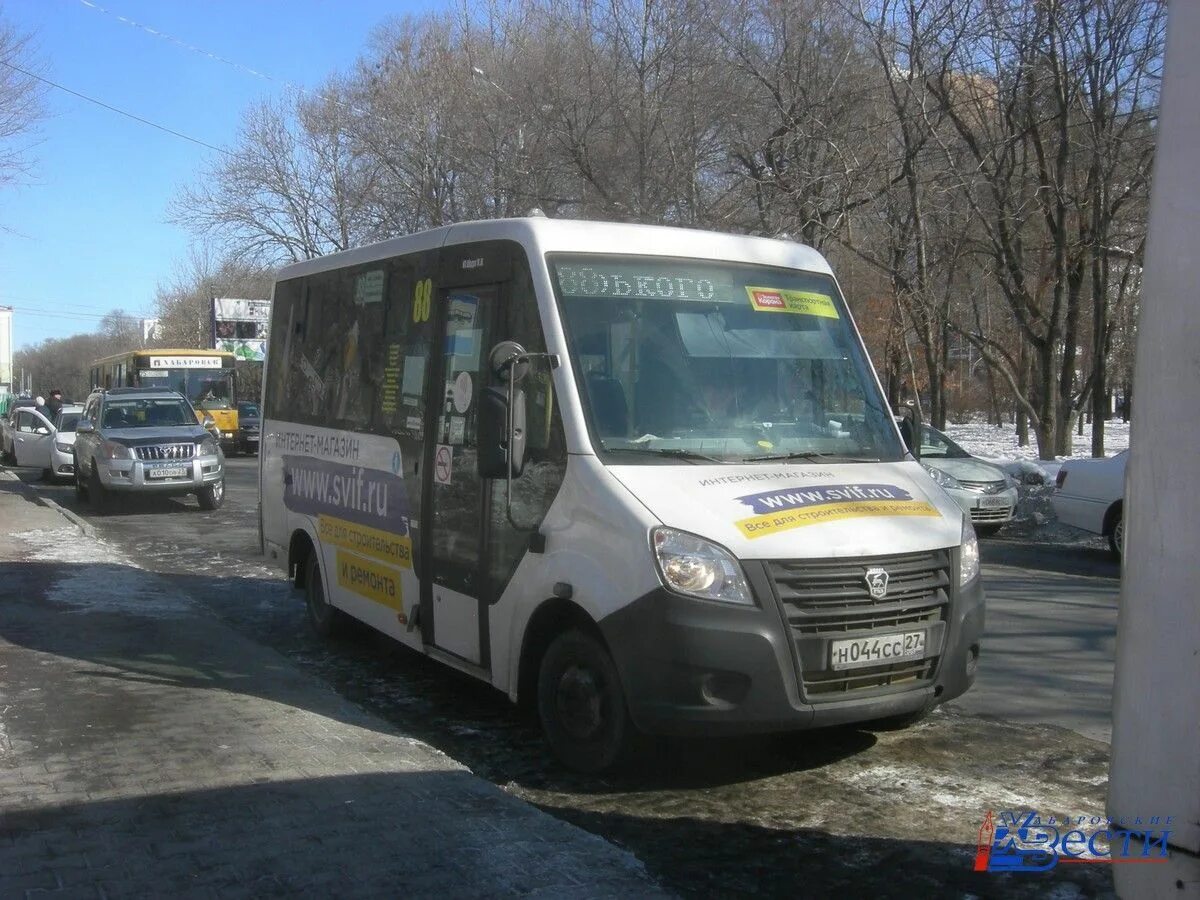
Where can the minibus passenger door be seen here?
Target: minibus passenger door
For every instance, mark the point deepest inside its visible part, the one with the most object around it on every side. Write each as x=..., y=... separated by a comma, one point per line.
x=454, y=610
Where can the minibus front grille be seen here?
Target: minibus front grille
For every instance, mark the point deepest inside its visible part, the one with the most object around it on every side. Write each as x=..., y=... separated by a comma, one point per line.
x=828, y=599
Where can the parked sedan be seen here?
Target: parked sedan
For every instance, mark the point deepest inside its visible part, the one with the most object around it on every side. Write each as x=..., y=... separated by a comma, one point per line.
x=1090, y=494
x=985, y=492
x=62, y=448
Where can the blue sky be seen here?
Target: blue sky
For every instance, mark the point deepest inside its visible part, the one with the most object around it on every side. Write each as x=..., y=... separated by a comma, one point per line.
x=88, y=232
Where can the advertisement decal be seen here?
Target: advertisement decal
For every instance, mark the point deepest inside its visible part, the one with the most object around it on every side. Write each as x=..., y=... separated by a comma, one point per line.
x=781, y=510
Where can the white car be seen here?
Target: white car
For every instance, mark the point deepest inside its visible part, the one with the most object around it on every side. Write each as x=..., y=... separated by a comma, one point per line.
x=1090, y=494
x=985, y=492
x=62, y=448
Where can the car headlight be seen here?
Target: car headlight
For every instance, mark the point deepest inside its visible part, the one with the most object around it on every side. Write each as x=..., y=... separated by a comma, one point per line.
x=63, y=448
x=941, y=478
x=968, y=561
x=208, y=446
x=113, y=450
x=691, y=565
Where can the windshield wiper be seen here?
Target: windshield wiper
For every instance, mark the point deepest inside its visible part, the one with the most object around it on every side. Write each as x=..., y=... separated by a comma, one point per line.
x=676, y=452
x=813, y=455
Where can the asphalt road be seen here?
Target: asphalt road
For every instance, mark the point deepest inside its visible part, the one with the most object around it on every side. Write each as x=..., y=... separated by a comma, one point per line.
x=848, y=811
x=1052, y=610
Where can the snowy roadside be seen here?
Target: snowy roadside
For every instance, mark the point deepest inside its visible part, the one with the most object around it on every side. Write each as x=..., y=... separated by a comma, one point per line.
x=1035, y=520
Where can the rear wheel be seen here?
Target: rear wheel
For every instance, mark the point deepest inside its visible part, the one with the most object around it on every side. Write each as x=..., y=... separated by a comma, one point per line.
x=326, y=620
x=212, y=496
x=582, y=705
x=1116, y=536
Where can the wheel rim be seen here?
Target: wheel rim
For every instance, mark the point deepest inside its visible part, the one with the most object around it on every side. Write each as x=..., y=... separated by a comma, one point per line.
x=1119, y=536
x=218, y=491
x=580, y=704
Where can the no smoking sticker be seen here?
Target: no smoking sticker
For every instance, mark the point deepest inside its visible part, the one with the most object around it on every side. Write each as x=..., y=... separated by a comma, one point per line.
x=443, y=464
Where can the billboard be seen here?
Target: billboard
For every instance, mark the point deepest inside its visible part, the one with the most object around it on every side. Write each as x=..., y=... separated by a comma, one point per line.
x=240, y=326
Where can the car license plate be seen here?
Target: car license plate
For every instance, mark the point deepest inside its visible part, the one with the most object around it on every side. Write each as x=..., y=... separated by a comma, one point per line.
x=992, y=502
x=877, y=650
x=167, y=472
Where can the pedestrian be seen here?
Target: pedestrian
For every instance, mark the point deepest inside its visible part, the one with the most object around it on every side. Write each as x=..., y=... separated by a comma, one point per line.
x=55, y=403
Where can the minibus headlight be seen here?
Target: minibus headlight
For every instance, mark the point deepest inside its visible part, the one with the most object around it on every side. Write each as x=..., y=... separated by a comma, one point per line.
x=968, y=563
x=699, y=568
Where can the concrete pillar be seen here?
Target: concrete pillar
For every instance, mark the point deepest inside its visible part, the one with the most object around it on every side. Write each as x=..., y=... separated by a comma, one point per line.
x=1156, y=694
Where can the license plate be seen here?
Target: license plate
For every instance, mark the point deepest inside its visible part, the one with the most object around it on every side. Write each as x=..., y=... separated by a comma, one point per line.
x=167, y=472
x=992, y=502
x=877, y=650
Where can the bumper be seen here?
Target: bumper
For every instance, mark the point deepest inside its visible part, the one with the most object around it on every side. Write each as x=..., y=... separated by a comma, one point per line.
x=694, y=667
x=62, y=464
x=249, y=441
x=135, y=475
x=987, y=509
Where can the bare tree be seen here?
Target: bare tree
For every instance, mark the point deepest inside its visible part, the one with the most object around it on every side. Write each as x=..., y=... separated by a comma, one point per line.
x=21, y=101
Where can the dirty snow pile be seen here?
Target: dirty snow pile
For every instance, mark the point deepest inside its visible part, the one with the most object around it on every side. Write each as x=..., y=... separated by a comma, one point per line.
x=97, y=577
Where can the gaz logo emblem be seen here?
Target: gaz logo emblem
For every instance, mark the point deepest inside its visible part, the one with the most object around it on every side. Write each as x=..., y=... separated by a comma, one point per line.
x=877, y=582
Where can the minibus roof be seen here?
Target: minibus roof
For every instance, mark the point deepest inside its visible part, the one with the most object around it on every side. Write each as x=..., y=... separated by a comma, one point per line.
x=543, y=235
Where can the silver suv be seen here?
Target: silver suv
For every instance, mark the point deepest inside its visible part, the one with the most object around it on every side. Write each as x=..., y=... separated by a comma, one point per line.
x=145, y=441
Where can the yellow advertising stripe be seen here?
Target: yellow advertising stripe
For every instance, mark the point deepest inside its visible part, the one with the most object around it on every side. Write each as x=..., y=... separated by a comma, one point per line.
x=373, y=542
x=804, y=303
x=369, y=579
x=769, y=523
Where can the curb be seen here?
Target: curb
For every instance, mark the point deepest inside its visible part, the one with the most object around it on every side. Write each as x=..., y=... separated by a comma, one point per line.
x=36, y=496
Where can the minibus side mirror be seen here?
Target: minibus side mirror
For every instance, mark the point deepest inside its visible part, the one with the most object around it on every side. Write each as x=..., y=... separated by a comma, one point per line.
x=508, y=360
x=496, y=445
x=909, y=421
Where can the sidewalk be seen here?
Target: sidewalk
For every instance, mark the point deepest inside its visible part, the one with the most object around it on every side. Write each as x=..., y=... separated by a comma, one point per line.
x=147, y=749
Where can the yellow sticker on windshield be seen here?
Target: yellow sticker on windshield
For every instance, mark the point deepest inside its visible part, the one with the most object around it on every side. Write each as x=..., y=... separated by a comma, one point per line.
x=804, y=303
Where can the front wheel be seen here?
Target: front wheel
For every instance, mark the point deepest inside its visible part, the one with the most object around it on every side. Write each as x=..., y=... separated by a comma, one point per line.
x=986, y=530
x=81, y=491
x=212, y=496
x=98, y=494
x=582, y=705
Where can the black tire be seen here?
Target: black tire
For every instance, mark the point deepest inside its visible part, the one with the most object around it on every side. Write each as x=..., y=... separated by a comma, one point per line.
x=47, y=474
x=582, y=706
x=98, y=494
x=212, y=496
x=326, y=620
x=81, y=491
x=1116, y=535
x=986, y=530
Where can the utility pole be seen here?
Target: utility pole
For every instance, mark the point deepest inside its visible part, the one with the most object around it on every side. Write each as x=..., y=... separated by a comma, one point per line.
x=1156, y=692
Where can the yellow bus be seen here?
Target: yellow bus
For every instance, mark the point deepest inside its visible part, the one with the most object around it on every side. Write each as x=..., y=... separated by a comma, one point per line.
x=205, y=377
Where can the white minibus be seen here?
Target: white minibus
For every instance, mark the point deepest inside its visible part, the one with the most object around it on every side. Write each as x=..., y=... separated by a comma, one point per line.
x=643, y=479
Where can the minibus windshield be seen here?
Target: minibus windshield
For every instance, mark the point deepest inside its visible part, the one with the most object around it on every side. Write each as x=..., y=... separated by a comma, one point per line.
x=725, y=361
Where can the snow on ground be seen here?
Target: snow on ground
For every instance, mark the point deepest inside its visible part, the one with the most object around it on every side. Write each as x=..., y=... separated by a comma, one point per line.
x=100, y=578
x=1035, y=519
